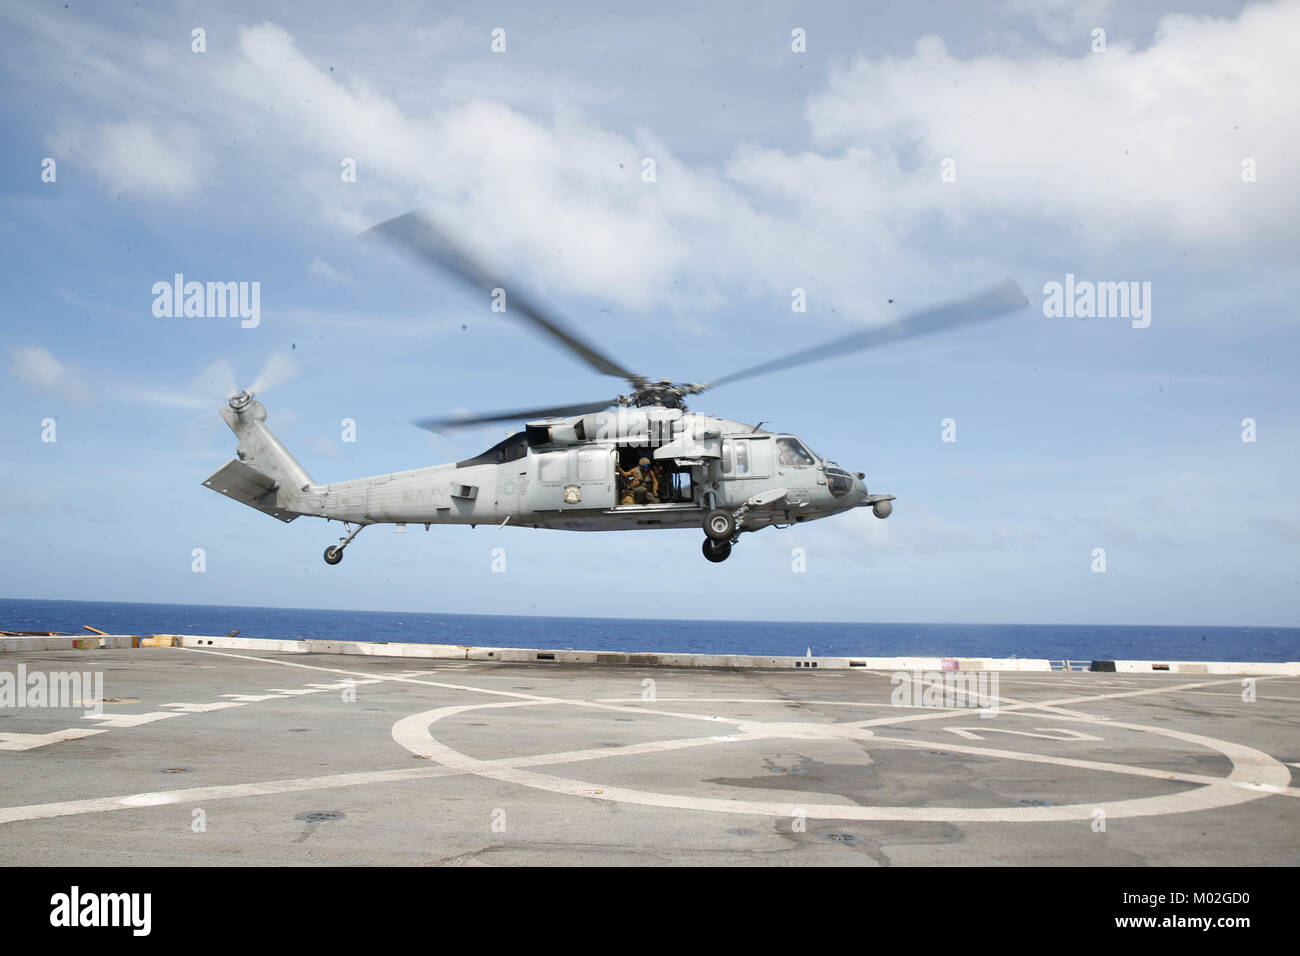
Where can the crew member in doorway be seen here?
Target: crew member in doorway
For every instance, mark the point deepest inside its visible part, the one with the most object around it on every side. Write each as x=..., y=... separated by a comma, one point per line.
x=641, y=484
x=663, y=487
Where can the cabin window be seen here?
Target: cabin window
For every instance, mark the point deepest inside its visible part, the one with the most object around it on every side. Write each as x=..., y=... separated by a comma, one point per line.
x=742, y=458
x=726, y=457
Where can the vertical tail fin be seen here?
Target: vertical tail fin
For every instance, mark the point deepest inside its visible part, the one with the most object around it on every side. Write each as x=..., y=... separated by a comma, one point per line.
x=264, y=476
x=261, y=450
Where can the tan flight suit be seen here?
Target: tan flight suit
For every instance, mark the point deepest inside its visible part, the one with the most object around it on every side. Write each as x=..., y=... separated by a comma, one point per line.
x=639, y=487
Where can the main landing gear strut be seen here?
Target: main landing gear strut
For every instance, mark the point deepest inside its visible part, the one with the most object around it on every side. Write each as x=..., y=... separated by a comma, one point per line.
x=334, y=553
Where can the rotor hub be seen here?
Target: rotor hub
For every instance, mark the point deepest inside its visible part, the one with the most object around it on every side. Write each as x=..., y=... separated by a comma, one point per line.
x=665, y=393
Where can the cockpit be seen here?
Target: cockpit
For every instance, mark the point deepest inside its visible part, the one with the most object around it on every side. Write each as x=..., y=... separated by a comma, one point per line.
x=791, y=453
x=839, y=482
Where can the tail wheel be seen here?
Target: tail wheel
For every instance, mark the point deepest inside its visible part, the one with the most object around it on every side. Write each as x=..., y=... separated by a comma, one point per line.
x=717, y=551
x=719, y=525
x=333, y=554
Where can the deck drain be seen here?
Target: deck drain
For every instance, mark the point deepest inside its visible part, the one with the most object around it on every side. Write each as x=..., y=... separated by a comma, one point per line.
x=1031, y=802
x=847, y=839
x=299, y=730
x=789, y=770
x=742, y=831
x=175, y=770
x=938, y=753
x=319, y=816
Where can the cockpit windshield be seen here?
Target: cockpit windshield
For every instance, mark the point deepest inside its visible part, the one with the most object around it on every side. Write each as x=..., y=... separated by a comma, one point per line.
x=791, y=453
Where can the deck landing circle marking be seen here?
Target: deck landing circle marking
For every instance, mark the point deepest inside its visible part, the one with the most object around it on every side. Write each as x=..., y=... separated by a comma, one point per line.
x=1254, y=773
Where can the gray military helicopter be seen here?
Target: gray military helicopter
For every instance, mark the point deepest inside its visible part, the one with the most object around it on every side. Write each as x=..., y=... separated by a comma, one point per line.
x=634, y=462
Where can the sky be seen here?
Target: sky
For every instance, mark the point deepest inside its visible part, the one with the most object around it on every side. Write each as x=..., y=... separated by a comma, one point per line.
x=880, y=158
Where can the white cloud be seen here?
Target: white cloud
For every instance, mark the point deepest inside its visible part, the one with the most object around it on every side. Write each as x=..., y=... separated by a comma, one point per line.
x=320, y=267
x=135, y=158
x=1129, y=145
x=1119, y=148
x=1129, y=150
x=565, y=195
x=35, y=366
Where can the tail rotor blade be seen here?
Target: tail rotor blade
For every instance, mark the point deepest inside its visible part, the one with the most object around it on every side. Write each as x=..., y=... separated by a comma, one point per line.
x=279, y=368
x=216, y=382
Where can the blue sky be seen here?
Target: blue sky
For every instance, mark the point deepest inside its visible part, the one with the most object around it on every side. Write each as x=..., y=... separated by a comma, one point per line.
x=775, y=170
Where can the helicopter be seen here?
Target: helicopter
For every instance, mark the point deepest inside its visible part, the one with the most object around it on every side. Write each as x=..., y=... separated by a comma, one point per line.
x=638, y=461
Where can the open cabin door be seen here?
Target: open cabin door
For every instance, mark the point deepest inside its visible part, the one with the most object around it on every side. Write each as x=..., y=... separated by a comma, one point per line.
x=685, y=445
x=696, y=453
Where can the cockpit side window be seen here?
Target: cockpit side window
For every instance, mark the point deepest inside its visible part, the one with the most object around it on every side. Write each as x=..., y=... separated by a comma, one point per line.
x=792, y=454
x=839, y=481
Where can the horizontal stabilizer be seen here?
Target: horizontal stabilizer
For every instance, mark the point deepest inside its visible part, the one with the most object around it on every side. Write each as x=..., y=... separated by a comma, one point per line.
x=248, y=486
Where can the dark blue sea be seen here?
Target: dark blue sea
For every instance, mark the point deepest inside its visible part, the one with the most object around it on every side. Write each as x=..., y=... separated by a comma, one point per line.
x=1052, y=641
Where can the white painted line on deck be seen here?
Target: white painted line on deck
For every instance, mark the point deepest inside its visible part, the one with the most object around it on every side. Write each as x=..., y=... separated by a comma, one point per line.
x=203, y=708
x=1255, y=774
x=10, y=741
x=131, y=720
x=1045, y=733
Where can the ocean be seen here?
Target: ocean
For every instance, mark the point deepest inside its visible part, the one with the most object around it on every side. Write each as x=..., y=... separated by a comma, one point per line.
x=784, y=638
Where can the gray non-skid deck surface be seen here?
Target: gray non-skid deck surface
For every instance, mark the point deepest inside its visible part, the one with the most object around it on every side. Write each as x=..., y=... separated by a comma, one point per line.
x=501, y=764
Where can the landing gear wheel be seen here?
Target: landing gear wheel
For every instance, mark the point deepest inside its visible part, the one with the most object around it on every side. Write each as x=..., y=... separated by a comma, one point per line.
x=719, y=525
x=717, y=551
x=333, y=554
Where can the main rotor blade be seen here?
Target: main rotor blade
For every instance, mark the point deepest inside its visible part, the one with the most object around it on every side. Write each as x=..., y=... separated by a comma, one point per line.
x=417, y=235
x=439, y=424
x=1003, y=297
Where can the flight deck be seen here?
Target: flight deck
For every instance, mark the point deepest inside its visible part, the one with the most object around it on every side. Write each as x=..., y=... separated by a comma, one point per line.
x=219, y=751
